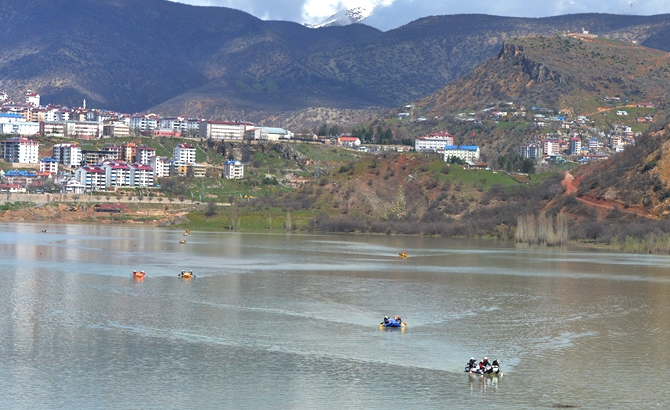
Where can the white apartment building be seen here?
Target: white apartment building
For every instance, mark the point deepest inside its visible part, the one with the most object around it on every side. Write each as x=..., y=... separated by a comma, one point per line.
x=91, y=177
x=550, y=146
x=184, y=153
x=48, y=164
x=142, y=123
x=228, y=130
x=233, y=170
x=32, y=98
x=143, y=154
x=434, y=142
x=67, y=154
x=117, y=174
x=20, y=128
x=83, y=129
x=463, y=152
x=52, y=129
x=20, y=150
x=141, y=175
x=161, y=166
x=575, y=145
x=6, y=117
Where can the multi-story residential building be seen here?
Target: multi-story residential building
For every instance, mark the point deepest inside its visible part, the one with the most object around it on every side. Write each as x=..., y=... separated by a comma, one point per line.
x=20, y=150
x=32, y=98
x=83, y=129
x=161, y=166
x=184, y=153
x=128, y=151
x=139, y=123
x=52, y=129
x=233, y=169
x=91, y=177
x=92, y=157
x=434, y=142
x=142, y=154
x=115, y=129
x=575, y=146
x=594, y=144
x=141, y=175
x=117, y=174
x=113, y=151
x=531, y=150
x=68, y=155
x=23, y=128
x=178, y=168
x=228, y=130
x=6, y=117
x=551, y=146
x=196, y=170
x=48, y=164
x=463, y=152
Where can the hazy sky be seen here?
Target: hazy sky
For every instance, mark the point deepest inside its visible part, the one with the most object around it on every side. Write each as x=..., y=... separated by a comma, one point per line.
x=394, y=13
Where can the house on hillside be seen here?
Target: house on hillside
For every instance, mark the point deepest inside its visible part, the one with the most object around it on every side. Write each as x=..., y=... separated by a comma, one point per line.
x=348, y=141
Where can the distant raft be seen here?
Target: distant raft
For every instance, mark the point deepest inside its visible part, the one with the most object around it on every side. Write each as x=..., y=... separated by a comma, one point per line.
x=403, y=254
x=183, y=241
x=186, y=274
x=139, y=274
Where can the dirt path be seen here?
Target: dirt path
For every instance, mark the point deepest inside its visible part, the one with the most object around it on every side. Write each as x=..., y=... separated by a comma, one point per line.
x=570, y=183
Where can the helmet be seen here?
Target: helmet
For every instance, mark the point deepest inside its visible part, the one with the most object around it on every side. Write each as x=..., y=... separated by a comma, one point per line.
x=472, y=358
x=486, y=358
x=386, y=317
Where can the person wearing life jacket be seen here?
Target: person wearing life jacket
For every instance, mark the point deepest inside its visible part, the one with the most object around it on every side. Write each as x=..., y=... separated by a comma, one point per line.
x=485, y=362
x=495, y=363
x=472, y=363
x=386, y=320
x=397, y=318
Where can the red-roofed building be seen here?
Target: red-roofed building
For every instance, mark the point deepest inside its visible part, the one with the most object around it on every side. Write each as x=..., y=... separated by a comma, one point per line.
x=348, y=141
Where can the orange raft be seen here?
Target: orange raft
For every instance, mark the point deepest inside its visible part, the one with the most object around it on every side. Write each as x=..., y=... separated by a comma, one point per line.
x=139, y=274
x=403, y=254
x=187, y=274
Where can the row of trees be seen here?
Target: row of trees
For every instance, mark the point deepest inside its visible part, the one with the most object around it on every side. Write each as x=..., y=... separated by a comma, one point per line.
x=542, y=229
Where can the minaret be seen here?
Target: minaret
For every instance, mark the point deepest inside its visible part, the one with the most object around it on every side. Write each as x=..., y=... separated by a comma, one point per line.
x=84, y=106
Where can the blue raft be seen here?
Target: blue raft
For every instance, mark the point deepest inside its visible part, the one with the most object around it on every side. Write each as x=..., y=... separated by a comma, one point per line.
x=392, y=323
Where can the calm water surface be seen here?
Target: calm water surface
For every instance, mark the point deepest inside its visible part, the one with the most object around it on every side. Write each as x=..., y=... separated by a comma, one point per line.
x=291, y=322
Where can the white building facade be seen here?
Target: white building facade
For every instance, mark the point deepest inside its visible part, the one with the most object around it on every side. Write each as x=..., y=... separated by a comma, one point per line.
x=463, y=152
x=20, y=150
x=233, y=170
x=184, y=153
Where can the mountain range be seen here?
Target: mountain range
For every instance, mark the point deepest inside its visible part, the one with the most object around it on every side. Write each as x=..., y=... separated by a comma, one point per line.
x=214, y=62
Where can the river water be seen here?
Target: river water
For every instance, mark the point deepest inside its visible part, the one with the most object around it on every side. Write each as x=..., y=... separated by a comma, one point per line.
x=279, y=321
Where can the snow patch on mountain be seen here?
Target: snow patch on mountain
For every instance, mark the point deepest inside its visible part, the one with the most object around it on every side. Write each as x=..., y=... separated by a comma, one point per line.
x=345, y=17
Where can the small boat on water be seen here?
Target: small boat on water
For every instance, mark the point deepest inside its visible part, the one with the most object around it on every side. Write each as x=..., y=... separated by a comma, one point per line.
x=403, y=254
x=397, y=322
x=183, y=241
x=488, y=369
x=139, y=274
x=186, y=274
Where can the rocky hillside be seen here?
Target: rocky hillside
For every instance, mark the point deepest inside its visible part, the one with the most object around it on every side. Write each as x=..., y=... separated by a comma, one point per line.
x=638, y=179
x=560, y=73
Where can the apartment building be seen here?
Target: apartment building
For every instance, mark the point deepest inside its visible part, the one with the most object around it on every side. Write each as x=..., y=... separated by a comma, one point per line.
x=68, y=155
x=233, y=169
x=184, y=153
x=20, y=150
x=463, y=152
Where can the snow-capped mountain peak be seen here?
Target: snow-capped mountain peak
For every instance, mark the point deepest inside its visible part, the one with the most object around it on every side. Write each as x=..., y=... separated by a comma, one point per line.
x=344, y=17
